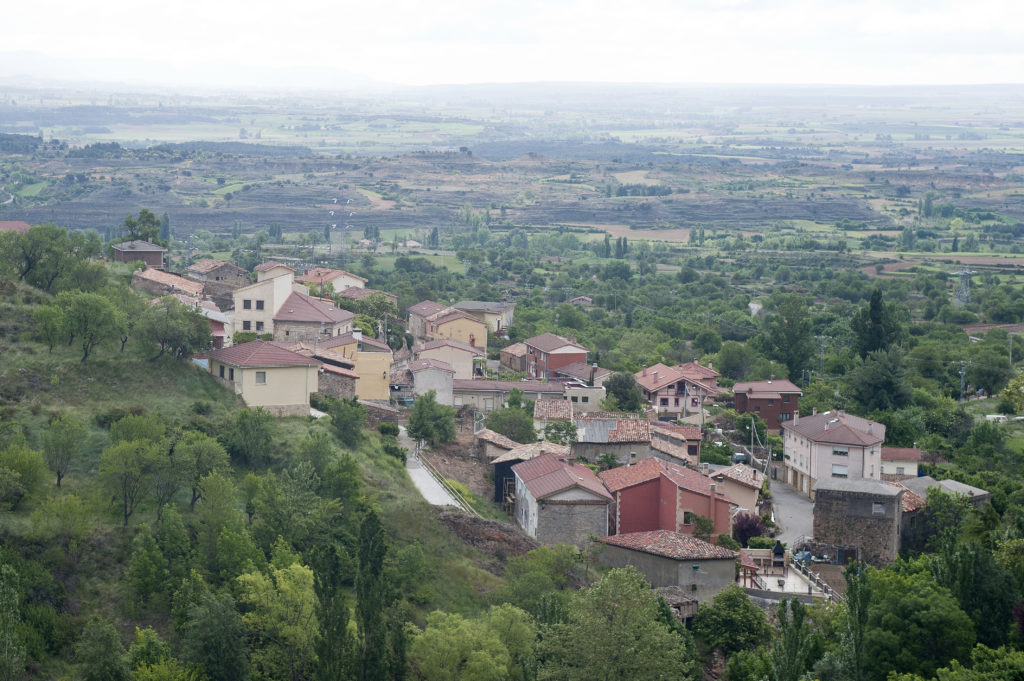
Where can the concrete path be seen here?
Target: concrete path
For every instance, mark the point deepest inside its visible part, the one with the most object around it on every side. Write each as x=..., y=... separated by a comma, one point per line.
x=427, y=484
x=794, y=513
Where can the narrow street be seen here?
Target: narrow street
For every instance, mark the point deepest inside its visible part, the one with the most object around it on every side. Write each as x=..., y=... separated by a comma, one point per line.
x=427, y=484
x=794, y=513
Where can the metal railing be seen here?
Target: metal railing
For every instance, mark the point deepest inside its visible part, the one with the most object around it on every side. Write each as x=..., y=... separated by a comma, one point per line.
x=448, y=487
x=815, y=579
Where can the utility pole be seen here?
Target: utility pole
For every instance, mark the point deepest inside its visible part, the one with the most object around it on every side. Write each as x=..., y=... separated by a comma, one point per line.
x=963, y=373
x=1011, y=350
x=823, y=340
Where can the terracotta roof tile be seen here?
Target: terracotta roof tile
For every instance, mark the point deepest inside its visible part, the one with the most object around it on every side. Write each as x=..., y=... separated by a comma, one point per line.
x=658, y=376
x=838, y=427
x=209, y=265
x=447, y=343
x=901, y=454
x=699, y=370
x=260, y=354
x=298, y=307
x=515, y=350
x=549, y=409
x=650, y=469
x=547, y=475
x=426, y=308
x=670, y=545
x=741, y=473
x=602, y=428
x=19, y=226
x=424, y=364
x=325, y=274
x=171, y=281
x=269, y=265
x=454, y=315
x=496, y=439
x=549, y=342
x=911, y=500
x=532, y=450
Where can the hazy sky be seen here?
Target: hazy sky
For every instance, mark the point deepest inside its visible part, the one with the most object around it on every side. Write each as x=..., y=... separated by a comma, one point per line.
x=468, y=41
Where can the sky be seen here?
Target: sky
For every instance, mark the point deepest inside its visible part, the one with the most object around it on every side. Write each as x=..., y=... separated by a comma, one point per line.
x=409, y=42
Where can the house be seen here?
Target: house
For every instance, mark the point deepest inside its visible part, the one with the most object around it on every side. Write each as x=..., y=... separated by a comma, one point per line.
x=584, y=398
x=356, y=293
x=676, y=444
x=431, y=321
x=581, y=371
x=254, y=305
x=490, y=395
x=466, y=360
x=900, y=463
x=433, y=374
x=549, y=409
x=338, y=379
x=302, y=317
x=774, y=401
x=497, y=316
x=670, y=558
x=135, y=251
x=513, y=357
x=626, y=436
x=920, y=486
x=220, y=323
x=831, y=445
x=340, y=280
x=581, y=301
x=657, y=495
x=271, y=269
x=558, y=502
x=742, y=484
x=160, y=283
x=504, y=479
x=19, y=226
x=371, y=358
x=678, y=390
x=267, y=376
x=547, y=352
x=858, y=519
x=490, y=445
x=222, y=272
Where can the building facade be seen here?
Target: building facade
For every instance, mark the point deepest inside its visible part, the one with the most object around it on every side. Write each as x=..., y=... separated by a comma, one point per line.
x=547, y=352
x=831, y=445
x=774, y=401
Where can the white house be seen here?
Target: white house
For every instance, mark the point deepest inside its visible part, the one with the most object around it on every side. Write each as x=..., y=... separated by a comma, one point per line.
x=832, y=444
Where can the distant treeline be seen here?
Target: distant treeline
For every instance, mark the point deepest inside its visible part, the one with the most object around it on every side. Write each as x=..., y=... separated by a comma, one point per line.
x=98, y=150
x=643, y=190
x=239, y=148
x=18, y=144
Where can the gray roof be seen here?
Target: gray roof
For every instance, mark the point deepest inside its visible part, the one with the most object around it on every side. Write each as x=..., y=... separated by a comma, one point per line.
x=921, y=486
x=861, y=486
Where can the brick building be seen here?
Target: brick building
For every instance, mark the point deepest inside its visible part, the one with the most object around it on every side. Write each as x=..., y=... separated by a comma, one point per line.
x=547, y=352
x=136, y=251
x=774, y=401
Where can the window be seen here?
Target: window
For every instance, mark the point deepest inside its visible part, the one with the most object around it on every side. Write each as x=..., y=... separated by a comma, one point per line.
x=785, y=417
x=585, y=399
x=246, y=326
x=877, y=508
x=259, y=326
x=758, y=409
x=899, y=470
x=222, y=371
x=785, y=399
x=261, y=378
x=840, y=451
x=676, y=404
x=687, y=517
x=575, y=399
x=771, y=403
x=259, y=304
x=840, y=471
x=246, y=304
x=231, y=374
x=664, y=401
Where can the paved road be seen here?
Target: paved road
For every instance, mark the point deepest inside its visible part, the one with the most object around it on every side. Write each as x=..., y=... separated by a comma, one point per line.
x=427, y=484
x=794, y=513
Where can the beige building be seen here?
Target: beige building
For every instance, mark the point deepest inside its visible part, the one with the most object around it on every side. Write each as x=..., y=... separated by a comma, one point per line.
x=256, y=304
x=280, y=307
x=742, y=484
x=462, y=357
x=430, y=321
x=267, y=376
x=829, y=445
x=372, y=359
x=339, y=280
x=900, y=463
x=497, y=316
x=432, y=374
x=271, y=270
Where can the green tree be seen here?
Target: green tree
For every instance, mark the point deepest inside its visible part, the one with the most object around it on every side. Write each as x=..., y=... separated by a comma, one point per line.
x=250, y=438
x=147, y=572
x=199, y=455
x=100, y=653
x=127, y=470
x=64, y=520
x=280, y=615
x=788, y=333
x=730, y=622
x=175, y=328
x=90, y=318
x=146, y=227
x=561, y=432
x=429, y=421
x=452, y=648
x=147, y=649
x=373, y=597
x=334, y=644
x=348, y=418
x=793, y=650
x=880, y=382
x=49, y=320
x=624, y=389
x=515, y=424
x=215, y=639
x=148, y=427
x=25, y=467
x=708, y=341
x=877, y=326
x=12, y=646
x=62, y=443
x=703, y=528
x=613, y=633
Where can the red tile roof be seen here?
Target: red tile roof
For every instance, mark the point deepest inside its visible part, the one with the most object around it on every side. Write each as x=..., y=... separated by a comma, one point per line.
x=650, y=469
x=601, y=427
x=658, y=376
x=298, y=307
x=426, y=308
x=515, y=350
x=424, y=364
x=209, y=265
x=699, y=370
x=496, y=439
x=269, y=265
x=505, y=386
x=356, y=293
x=688, y=433
x=260, y=354
x=901, y=454
x=454, y=315
x=19, y=226
x=743, y=474
x=670, y=545
x=341, y=371
x=757, y=387
x=171, y=281
x=547, y=475
x=447, y=343
x=325, y=274
x=838, y=427
x=549, y=342
x=552, y=409
x=911, y=500
x=532, y=450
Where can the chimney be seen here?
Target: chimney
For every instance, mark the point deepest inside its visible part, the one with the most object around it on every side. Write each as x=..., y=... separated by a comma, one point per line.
x=357, y=334
x=655, y=375
x=796, y=417
x=869, y=427
x=643, y=372
x=704, y=467
x=814, y=411
x=709, y=365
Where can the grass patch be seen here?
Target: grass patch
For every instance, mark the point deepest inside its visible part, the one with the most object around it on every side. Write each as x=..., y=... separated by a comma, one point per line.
x=31, y=190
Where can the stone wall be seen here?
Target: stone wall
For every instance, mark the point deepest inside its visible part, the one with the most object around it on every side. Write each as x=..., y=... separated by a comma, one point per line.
x=847, y=518
x=571, y=523
x=591, y=451
x=702, y=584
x=333, y=385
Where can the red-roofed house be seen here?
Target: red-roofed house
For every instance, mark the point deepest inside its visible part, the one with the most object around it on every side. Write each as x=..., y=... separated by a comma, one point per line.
x=267, y=376
x=774, y=401
x=831, y=445
x=431, y=321
x=654, y=494
x=338, y=279
x=301, y=317
x=272, y=269
x=547, y=352
x=900, y=463
x=673, y=559
x=559, y=502
x=676, y=444
x=514, y=357
x=742, y=484
x=678, y=390
x=19, y=226
x=467, y=361
x=627, y=436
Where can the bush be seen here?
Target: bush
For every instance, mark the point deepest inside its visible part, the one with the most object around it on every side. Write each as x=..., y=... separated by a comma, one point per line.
x=388, y=428
x=747, y=526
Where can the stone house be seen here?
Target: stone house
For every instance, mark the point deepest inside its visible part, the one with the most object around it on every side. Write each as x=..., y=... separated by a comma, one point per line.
x=504, y=478
x=267, y=376
x=513, y=357
x=861, y=519
x=432, y=374
x=669, y=558
x=831, y=445
x=490, y=445
x=548, y=352
x=558, y=502
x=356, y=293
x=302, y=317
x=497, y=316
x=656, y=495
x=774, y=401
x=219, y=278
x=136, y=251
x=676, y=444
x=487, y=396
x=627, y=436
x=160, y=283
x=340, y=280
x=549, y=409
